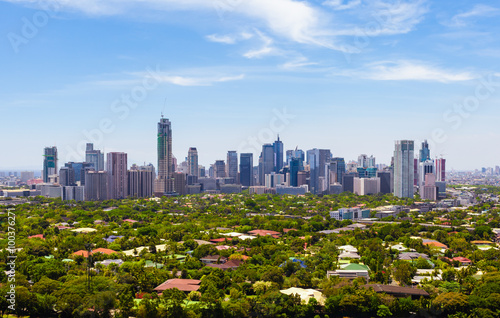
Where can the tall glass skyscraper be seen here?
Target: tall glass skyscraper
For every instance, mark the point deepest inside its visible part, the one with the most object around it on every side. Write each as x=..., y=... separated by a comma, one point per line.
x=94, y=157
x=425, y=152
x=246, y=169
x=317, y=160
x=232, y=165
x=337, y=165
x=278, y=155
x=49, y=163
x=266, y=162
x=163, y=183
x=192, y=161
x=404, y=168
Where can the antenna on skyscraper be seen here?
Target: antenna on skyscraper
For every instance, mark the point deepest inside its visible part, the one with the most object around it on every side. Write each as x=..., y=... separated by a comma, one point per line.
x=164, y=105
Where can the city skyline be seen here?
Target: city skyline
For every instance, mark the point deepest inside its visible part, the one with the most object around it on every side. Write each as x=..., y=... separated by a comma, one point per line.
x=350, y=76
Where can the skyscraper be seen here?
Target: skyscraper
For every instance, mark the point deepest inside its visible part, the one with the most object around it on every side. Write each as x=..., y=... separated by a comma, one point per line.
x=266, y=162
x=49, y=163
x=403, y=168
x=297, y=153
x=246, y=169
x=94, y=157
x=337, y=167
x=317, y=160
x=192, y=161
x=219, y=169
x=67, y=176
x=278, y=155
x=164, y=182
x=117, y=175
x=441, y=170
x=232, y=165
x=96, y=185
x=425, y=153
x=425, y=167
x=140, y=181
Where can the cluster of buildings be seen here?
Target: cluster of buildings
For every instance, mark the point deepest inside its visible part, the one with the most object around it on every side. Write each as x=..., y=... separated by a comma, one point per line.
x=276, y=171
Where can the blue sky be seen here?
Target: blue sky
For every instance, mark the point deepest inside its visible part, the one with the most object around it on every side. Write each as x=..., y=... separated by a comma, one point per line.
x=351, y=76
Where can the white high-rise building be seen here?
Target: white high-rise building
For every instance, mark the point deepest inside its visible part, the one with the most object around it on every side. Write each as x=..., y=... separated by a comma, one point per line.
x=404, y=168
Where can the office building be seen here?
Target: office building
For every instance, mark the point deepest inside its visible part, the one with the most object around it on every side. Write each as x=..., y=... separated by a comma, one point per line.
x=317, y=160
x=96, y=185
x=441, y=170
x=425, y=152
x=79, y=170
x=166, y=164
x=278, y=155
x=219, y=169
x=425, y=167
x=386, y=182
x=337, y=168
x=192, y=162
x=404, y=168
x=366, y=186
x=266, y=162
x=67, y=176
x=429, y=190
x=94, y=157
x=232, y=165
x=27, y=175
x=49, y=164
x=140, y=181
x=297, y=153
x=117, y=175
x=180, y=186
x=246, y=169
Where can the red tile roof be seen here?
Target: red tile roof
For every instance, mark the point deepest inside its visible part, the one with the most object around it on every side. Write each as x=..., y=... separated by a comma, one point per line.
x=186, y=285
x=40, y=236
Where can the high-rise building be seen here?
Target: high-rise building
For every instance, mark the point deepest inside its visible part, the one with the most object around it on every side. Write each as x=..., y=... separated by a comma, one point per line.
x=317, y=160
x=278, y=155
x=266, y=162
x=337, y=166
x=425, y=153
x=117, y=175
x=96, y=185
x=49, y=163
x=403, y=168
x=429, y=190
x=246, y=169
x=163, y=182
x=297, y=153
x=232, y=165
x=295, y=167
x=366, y=186
x=425, y=167
x=67, y=176
x=192, y=160
x=441, y=170
x=180, y=186
x=140, y=181
x=79, y=170
x=27, y=175
x=94, y=157
x=386, y=182
x=219, y=169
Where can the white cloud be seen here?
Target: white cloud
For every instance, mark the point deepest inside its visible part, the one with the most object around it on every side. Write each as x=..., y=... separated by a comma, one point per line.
x=341, y=4
x=297, y=63
x=197, y=81
x=479, y=10
x=387, y=18
x=229, y=38
x=265, y=49
x=404, y=70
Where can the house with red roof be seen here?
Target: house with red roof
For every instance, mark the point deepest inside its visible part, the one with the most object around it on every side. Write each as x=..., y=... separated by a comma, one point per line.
x=265, y=233
x=185, y=285
x=40, y=236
